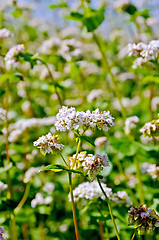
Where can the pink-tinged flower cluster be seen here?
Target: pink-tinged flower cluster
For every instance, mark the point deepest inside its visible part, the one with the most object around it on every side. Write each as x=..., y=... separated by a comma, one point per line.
x=11, y=56
x=91, y=165
x=5, y=33
x=151, y=129
x=70, y=119
x=2, y=230
x=48, y=144
x=144, y=52
x=143, y=219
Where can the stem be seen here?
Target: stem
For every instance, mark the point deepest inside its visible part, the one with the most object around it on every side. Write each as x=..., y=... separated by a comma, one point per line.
x=110, y=208
x=138, y=175
x=63, y=159
x=41, y=229
x=53, y=81
x=108, y=68
x=78, y=147
x=101, y=230
x=24, y=198
x=101, y=227
x=133, y=236
x=73, y=207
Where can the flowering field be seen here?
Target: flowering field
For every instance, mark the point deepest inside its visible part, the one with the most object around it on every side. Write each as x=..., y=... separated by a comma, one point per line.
x=79, y=123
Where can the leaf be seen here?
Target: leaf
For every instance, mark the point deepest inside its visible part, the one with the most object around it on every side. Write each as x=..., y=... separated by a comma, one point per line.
x=75, y=16
x=60, y=5
x=123, y=145
x=58, y=168
x=29, y=57
x=151, y=79
x=87, y=139
x=17, y=13
x=5, y=169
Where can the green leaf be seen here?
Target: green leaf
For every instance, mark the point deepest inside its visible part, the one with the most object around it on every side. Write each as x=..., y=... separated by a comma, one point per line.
x=75, y=16
x=87, y=139
x=29, y=57
x=123, y=145
x=151, y=79
x=60, y=5
x=17, y=13
x=5, y=169
x=59, y=168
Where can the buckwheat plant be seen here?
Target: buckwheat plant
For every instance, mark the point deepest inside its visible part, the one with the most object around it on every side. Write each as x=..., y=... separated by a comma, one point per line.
x=144, y=219
x=88, y=165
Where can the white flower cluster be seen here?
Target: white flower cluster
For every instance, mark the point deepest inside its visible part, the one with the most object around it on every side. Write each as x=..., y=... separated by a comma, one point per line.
x=11, y=56
x=70, y=48
x=151, y=128
x=144, y=52
x=151, y=169
x=88, y=68
x=17, y=129
x=5, y=33
x=49, y=44
x=3, y=186
x=94, y=94
x=121, y=197
x=48, y=144
x=2, y=114
x=49, y=187
x=91, y=165
x=30, y=173
x=130, y=123
x=69, y=119
x=40, y=200
x=90, y=191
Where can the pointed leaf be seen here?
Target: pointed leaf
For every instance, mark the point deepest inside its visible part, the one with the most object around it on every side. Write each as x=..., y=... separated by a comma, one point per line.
x=87, y=139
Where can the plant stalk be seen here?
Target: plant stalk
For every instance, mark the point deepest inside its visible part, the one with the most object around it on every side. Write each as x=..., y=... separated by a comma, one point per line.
x=73, y=207
x=24, y=198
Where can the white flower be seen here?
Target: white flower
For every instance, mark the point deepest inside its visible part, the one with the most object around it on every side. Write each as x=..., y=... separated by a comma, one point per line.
x=89, y=164
x=3, y=186
x=90, y=191
x=100, y=141
x=121, y=197
x=130, y=123
x=94, y=94
x=69, y=119
x=5, y=33
x=11, y=56
x=151, y=128
x=2, y=114
x=48, y=144
x=32, y=172
x=151, y=169
x=40, y=200
x=49, y=187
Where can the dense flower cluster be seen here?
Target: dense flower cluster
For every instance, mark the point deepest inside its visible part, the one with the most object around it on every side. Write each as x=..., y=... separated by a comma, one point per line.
x=5, y=33
x=2, y=114
x=151, y=169
x=2, y=230
x=91, y=191
x=121, y=197
x=30, y=173
x=91, y=165
x=40, y=200
x=11, y=56
x=144, y=52
x=151, y=129
x=143, y=219
x=130, y=123
x=48, y=144
x=70, y=119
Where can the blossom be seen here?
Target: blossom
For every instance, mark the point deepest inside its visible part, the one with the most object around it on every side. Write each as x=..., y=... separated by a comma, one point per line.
x=94, y=94
x=3, y=186
x=69, y=119
x=11, y=56
x=151, y=169
x=100, y=141
x=30, y=173
x=40, y=200
x=5, y=33
x=2, y=230
x=91, y=165
x=130, y=123
x=143, y=219
x=49, y=187
x=91, y=191
x=151, y=128
x=48, y=143
x=2, y=114
x=121, y=197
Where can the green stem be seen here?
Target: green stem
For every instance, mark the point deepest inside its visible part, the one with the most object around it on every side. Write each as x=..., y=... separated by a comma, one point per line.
x=24, y=198
x=63, y=159
x=108, y=68
x=110, y=208
x=73, y=207
x=78, y=147
x=53, y=81
x=138, y=175
x=133, y=236
x=106, y=230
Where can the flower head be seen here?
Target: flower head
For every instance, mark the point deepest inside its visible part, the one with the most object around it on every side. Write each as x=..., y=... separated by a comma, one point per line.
x=2, y=114
x=69, y=119
x=2, y=230
x=11, y=57
x=151, y=129
x=5, y=33
x=143, y=219
x=91, y=165
x=130, y=123
x=48, y=143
